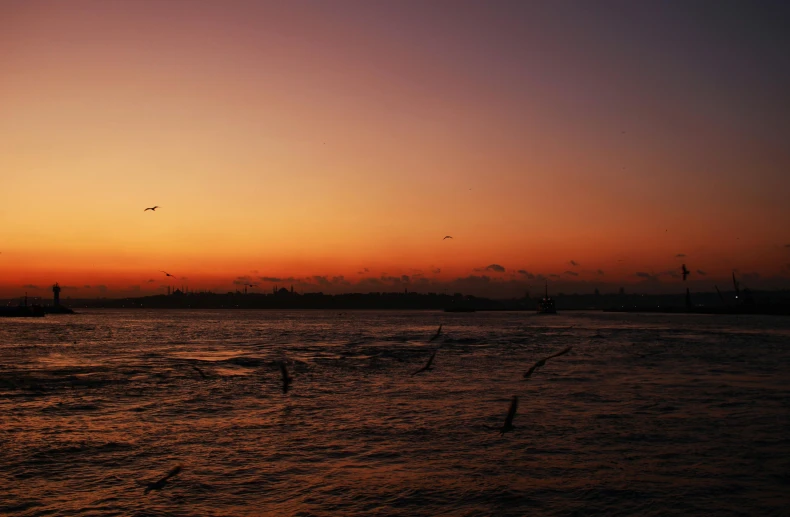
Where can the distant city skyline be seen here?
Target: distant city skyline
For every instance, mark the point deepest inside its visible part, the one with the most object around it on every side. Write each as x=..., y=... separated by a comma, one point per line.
x=338, y=144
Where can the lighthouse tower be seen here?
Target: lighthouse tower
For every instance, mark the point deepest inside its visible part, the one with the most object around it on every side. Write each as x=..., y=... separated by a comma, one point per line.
x=56, y=292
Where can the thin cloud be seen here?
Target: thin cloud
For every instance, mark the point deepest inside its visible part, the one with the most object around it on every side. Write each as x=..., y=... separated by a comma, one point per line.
x=680, y=255
x=340, y=280
x=30, y=286
x=321, y=280
x=554, y=275
x=572, y=273
x=491, y=267
x=151, y=281
x=69, y=287
x=600, y=272
x=270, y=279
x=86, y=286
x=364, y=270
x=436, y=271
x=647, y=276
x=526, y=273
x=243, y=280
x=404, y=278
x=701, y=272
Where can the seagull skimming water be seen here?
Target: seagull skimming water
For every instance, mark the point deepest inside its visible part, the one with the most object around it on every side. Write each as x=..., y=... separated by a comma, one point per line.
x=159, y=485
x=543, y=361
x=509, y=418
x=436, y=336
x=287, y=379
x=427, y=367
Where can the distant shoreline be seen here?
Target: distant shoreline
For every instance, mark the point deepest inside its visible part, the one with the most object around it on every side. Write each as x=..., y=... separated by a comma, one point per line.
x=762, y=302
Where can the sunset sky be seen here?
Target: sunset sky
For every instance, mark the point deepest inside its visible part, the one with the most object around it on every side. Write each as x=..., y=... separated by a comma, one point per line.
x=333, y=145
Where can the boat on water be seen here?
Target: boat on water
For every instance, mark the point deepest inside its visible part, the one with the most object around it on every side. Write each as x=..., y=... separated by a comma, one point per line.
x=546, y=305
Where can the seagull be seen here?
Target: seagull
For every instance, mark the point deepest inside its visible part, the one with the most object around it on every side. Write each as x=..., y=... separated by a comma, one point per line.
x=153, y=209
x=543, y=361
x=427, y=367
x=448, y=237
x=287, y=379
x=168, y=274
x=685, y=272
x=509, y=418
x=199, y=371
x=436, y=336
x=159, y=485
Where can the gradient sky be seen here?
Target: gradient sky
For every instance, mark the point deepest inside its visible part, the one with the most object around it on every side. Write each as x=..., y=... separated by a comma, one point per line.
x=320, y=140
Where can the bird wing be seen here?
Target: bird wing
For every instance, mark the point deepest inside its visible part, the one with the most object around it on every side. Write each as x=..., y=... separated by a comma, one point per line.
x=284, y=371
x=438, y=333
x=418, y=371
x=529, y=372
x=430, y=359
x=561, y=352
x=511, y=412
x=173, y=472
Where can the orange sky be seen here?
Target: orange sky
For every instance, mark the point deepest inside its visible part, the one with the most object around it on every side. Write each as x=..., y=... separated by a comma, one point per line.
x=300, y=140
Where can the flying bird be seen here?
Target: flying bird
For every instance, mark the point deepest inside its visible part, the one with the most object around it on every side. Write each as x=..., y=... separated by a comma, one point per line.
x=448, y=237
x=287, y=379
x=436, y=336
x=199, y=371
x=168, y=274
x=685, y=272
x=543, y=361
x=509, y=418
x=153, y=209
x=159, y=485
x=427, y=367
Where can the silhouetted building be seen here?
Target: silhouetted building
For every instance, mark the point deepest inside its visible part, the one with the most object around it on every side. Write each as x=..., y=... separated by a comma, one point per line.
x=56, y=293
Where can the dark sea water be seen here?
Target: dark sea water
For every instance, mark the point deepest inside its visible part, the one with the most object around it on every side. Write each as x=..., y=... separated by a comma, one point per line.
x=647, y=415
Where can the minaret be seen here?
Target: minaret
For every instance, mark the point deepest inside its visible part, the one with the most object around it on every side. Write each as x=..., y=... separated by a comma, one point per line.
x=56, y=292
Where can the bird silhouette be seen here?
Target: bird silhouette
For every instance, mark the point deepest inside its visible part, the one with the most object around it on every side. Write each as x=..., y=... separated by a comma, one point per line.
x=199, y=371
x=685, y=272
x=153, y=209
x=448, y=237
x=436, y=336
x=168, y=274
x=427, y=367
x=509, y=418
x=543, y=361
x=159, y=485
x=287, y=379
